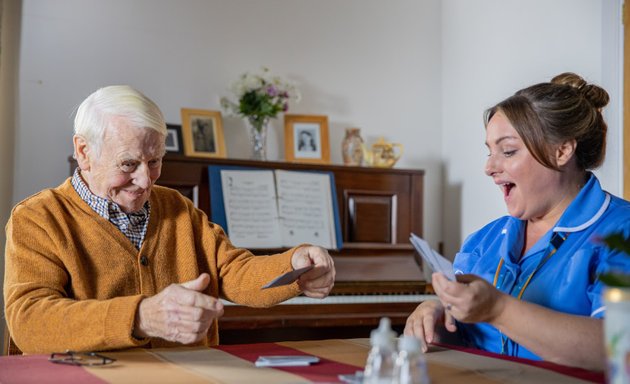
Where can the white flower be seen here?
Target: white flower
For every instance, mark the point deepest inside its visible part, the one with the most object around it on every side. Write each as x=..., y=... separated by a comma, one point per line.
x=260, y=96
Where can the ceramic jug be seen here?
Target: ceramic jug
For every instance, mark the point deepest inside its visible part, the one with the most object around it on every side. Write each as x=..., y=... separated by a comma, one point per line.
x=383, y=154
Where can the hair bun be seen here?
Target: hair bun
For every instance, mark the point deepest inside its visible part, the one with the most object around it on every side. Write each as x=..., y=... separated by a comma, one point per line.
x=596, y=95
x=569, y=78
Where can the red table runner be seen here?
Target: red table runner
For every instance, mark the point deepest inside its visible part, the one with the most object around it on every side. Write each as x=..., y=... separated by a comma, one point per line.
x=324, y=371
x=37, y=369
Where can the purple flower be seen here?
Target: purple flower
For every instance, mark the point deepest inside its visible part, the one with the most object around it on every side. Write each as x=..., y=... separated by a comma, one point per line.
x=285, y=107
x=271, y=90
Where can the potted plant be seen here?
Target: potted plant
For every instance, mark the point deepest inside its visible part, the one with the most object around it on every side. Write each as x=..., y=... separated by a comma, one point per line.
x=618, y=242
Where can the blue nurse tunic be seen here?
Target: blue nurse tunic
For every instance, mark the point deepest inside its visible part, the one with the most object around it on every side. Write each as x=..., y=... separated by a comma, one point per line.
x=569, y=260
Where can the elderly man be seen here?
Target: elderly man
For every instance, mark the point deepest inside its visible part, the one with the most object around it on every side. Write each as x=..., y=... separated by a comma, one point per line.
x=109, y=260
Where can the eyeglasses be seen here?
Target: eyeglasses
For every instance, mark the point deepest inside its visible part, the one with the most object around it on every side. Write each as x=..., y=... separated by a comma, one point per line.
x=80, y=358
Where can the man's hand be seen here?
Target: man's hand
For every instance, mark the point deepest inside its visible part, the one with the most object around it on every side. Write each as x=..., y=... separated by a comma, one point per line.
x=179, y=313
x=320, y=280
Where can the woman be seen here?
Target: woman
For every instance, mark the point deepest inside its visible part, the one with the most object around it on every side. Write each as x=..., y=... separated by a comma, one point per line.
x=527, y=283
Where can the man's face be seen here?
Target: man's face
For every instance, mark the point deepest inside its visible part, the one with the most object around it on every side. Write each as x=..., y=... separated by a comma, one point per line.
x=129, y=164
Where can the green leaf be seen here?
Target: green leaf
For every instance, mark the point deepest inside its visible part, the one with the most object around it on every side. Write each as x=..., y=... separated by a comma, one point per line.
x=618, y=242
x=615, y=279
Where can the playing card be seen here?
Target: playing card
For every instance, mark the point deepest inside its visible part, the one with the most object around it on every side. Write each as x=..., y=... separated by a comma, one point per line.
x=287, y=278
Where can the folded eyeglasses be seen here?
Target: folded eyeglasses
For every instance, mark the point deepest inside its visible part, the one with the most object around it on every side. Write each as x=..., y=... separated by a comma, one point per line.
x=80, y=358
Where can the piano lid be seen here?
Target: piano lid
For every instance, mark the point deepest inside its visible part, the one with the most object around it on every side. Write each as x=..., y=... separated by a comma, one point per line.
x=377, y=268
x=378, y=275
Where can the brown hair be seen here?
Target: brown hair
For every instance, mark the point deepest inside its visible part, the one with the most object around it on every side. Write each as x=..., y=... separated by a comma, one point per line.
x=548, y=114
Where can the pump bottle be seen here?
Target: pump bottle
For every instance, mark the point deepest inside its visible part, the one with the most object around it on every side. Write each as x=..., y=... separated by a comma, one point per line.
x=379, y=368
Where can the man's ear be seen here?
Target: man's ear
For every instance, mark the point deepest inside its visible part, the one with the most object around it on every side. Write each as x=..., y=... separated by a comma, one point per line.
x=565, y=152
x=81, y=152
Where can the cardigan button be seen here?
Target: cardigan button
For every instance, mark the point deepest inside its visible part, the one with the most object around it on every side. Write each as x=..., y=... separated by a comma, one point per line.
x=144, y=261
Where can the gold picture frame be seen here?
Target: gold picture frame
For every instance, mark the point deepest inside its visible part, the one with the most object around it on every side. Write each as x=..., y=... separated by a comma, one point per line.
x=203, y=133
x=306, y=139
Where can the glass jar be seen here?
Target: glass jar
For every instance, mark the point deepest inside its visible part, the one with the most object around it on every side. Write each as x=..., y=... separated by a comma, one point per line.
x=617, y=334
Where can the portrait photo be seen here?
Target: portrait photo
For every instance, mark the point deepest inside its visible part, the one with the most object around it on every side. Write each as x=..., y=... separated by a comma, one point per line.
x=174, y=138
x=306, y=138
x=306, y=144
x=203, y=133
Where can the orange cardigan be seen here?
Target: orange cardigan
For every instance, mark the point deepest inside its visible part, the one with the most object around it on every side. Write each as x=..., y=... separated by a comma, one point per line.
x=74, y=281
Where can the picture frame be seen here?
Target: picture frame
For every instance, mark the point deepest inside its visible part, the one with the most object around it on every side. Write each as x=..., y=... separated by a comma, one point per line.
x=203, y=133
x=306, y=139
x=174, y=143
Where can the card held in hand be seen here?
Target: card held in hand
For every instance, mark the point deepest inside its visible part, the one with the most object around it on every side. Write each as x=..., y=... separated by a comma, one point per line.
x=437, y=262
x=287, y=278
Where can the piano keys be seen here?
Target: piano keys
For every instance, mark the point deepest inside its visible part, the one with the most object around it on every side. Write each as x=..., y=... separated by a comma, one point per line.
x=304, y=318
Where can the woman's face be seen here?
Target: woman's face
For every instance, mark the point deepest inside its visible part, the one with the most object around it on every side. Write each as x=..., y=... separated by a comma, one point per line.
x=530, y=190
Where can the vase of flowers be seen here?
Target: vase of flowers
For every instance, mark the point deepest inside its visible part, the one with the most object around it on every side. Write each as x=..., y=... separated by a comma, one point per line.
x=260, y=98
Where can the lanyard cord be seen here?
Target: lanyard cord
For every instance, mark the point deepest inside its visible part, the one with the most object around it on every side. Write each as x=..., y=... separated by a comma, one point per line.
x=556, y=241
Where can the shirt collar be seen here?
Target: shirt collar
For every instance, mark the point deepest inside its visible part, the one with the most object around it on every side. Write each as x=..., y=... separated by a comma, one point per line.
x=98, y=204
x=587, y=207
x=104, y=207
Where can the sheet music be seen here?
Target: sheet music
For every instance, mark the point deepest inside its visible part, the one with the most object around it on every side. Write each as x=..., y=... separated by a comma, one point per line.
x=251, y=209
x=437, y=262
x=305, y=208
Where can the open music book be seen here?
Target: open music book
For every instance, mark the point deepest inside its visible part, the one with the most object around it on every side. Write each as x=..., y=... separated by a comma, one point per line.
x=263, y=208
x=437, y=262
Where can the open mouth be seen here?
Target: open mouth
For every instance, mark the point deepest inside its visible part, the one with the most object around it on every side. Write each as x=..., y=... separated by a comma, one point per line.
x=507, y=188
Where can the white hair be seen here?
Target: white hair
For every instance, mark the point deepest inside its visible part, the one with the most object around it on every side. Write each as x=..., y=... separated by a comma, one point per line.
x=97, y=110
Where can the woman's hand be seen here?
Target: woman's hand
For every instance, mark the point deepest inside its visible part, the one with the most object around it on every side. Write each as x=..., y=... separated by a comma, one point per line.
x=425, y=321
x=470, y=299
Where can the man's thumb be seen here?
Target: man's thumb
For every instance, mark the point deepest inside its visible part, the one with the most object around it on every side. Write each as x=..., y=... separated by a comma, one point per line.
x=199, y=284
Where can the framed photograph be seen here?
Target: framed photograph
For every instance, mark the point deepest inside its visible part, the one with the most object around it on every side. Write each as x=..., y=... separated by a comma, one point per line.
x=306, y=138
x=203, y=133
x=174, y=138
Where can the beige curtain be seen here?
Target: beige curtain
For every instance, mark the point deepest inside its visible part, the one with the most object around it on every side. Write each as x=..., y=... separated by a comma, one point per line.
x=10, y=20
x=626, y=101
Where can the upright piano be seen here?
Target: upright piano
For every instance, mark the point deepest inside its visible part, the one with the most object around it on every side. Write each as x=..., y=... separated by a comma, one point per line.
x=378, y=272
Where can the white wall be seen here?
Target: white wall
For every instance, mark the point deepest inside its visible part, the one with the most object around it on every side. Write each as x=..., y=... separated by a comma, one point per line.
x=418, y=72
x=491, y=48
x=612, y=80
x=364, y=63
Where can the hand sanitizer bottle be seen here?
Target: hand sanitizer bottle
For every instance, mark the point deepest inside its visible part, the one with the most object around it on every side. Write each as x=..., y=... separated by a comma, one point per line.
x=411, y=367
x=379, y=368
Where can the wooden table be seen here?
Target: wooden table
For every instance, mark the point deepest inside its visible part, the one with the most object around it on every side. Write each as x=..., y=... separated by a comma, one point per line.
x=234, y=364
